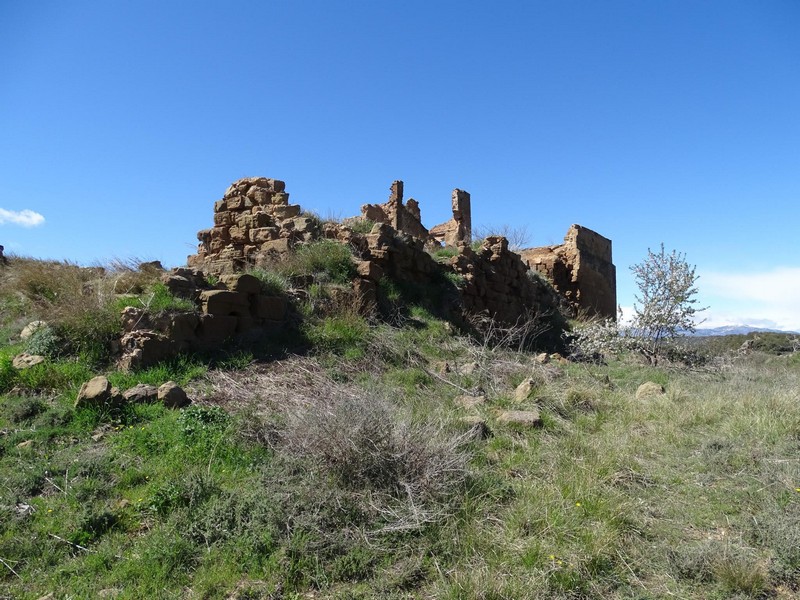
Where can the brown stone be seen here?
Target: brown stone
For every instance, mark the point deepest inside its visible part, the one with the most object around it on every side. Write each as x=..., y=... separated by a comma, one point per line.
x=97, y=392
x=263, y=234
x=26, y=361
x=172, y=395
x=31, y=328
x=215, y=329
x=141, y=394
x=525, y=389
x=144, y=348
x=224, y=303
x=523, y=418
x=369, y=269
x=243, y=283
x=270, y=308
x=279, y=246
x=285, y=212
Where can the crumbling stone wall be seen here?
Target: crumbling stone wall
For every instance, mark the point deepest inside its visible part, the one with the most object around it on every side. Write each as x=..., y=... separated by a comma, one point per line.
x=252, y=222
x=405, y=218
x=458, y=229
x=498, y=283
x=234, y=307
x=581, y=270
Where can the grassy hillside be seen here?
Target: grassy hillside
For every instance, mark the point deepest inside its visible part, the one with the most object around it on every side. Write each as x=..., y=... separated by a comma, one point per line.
x=379, y=461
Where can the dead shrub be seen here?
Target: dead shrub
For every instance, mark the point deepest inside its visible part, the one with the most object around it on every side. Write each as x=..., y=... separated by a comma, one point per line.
x=406, y=474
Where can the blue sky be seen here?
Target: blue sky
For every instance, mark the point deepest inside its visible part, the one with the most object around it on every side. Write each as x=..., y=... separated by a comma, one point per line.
x=649, y=122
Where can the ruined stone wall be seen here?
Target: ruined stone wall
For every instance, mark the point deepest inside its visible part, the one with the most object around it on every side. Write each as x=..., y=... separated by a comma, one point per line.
x=458, y=229
x=236, y=306
x=498, y=283
x=252, y=222
x=581, y=270
x=405, y=218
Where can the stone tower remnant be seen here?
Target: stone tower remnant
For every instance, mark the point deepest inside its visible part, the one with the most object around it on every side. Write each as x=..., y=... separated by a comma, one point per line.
x=581, y=271
x=458, y=229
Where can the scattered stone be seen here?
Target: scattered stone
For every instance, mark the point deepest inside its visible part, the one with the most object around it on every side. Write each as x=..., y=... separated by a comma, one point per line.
x=525, y=418
x=141, y=394
x=172, y=395
x=469, y=402
x=31, y=328
x=96, y=437
x=25, y=444
x=542, y=358
x=26, y=361
x=526, y=388
x=649, y=389
x=98, y=392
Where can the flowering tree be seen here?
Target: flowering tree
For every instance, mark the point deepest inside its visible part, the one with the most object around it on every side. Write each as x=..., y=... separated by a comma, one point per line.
x=666, y=305
x=664, y=308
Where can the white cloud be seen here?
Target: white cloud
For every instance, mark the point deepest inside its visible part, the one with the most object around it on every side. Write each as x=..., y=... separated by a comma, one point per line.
x=25, y=218
x=761, y=299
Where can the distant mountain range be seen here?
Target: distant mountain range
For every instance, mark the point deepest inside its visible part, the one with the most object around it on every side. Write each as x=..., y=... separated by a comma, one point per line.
x=735, y=330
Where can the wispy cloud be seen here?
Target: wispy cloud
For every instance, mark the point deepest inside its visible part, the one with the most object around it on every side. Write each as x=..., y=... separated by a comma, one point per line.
x=766, y=298
x=24, y=218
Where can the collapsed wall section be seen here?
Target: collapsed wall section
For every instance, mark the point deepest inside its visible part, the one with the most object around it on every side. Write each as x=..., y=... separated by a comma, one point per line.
x=252, y=222
x=581, y=270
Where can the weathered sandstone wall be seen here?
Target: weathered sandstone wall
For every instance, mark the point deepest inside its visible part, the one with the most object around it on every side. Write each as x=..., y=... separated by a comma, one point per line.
x=581, y=270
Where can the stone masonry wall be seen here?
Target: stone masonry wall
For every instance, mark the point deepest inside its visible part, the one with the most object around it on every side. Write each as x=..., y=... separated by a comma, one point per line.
x=254, y=223
x=581, y=270
x=236, y=306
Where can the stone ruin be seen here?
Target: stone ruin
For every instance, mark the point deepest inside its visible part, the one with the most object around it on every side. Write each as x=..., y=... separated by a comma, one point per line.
x=254, y=226
x=253, y=222
x=234, y=306
x=581, y=271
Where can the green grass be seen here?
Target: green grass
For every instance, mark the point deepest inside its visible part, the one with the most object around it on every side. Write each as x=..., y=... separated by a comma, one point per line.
x=352, y=473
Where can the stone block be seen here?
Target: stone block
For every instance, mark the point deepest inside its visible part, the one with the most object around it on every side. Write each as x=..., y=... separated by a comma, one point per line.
x=285, y=212
x=183, y=326
x=263, y=234
x=224, y=303
x=215, y=329
x=242, y=283
x=223, y=219
x=280, y=199
x=220, y=205
x=280, y=246
x=238, y=234
x=369, y=269
x=172, y=395
x=141, y=394
x=98, y=392
x=269, y=308
x=237, y=203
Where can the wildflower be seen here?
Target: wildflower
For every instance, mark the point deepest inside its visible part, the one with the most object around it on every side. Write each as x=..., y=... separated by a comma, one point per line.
x=578, y=504
x=552, y=557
